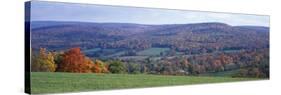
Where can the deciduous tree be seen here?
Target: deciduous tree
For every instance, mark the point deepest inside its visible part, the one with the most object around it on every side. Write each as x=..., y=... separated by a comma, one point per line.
x=44, y=62
x=75, y=61
x=116, y=67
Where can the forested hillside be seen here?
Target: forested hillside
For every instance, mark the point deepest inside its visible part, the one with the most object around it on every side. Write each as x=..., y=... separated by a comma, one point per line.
x=181, y=37
x=176, y=49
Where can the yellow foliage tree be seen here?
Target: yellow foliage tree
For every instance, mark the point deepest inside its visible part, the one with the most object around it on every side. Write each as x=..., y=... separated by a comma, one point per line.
x=44, y=62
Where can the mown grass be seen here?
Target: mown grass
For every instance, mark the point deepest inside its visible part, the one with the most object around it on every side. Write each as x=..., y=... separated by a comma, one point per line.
x=44, y=82
x=221, y=74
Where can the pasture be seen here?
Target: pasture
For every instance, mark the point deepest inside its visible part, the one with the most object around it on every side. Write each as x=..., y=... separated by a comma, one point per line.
x=45, y=82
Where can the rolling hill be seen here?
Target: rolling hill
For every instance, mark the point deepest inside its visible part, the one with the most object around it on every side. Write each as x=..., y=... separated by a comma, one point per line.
x=210, y=36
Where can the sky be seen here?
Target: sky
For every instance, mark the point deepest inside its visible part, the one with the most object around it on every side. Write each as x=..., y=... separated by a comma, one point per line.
x=55, y=11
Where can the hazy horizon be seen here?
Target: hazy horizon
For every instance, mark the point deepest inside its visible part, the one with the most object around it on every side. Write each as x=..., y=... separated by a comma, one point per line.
x=141, y=23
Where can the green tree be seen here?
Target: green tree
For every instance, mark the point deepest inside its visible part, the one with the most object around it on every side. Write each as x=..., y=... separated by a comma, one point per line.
x=133, y=68
x=116, y=67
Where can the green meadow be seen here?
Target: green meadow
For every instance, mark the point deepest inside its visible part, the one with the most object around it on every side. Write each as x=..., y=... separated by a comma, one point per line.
x=45, y=82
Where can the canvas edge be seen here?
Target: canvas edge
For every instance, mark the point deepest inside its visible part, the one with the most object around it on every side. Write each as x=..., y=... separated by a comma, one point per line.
x=27, y=81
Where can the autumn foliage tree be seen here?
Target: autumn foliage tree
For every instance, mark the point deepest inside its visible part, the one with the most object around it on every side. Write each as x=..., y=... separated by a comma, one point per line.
x=99, y=67
x=72, y=60
x=44, y=62
x=75, y=61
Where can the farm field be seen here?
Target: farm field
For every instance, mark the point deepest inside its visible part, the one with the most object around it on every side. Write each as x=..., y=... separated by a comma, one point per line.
x=44, y=82
x=152, y=51
x=117, y=52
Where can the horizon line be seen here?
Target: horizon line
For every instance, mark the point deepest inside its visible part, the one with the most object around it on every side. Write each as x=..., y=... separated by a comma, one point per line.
x=141, y=23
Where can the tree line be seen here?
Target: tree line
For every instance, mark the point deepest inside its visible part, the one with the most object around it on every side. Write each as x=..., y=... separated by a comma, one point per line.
x=249, y=63
x=73, y=61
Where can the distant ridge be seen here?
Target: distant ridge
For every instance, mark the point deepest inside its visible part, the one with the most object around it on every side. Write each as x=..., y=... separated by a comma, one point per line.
x=38, y=24
x=61, y=35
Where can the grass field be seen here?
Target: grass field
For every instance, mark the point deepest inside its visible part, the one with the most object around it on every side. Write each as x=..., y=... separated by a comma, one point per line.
x=43, y=82
x=221, y=74
x=152, y=51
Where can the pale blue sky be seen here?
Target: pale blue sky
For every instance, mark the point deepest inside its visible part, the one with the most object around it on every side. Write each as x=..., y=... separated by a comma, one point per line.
x=54, y=11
